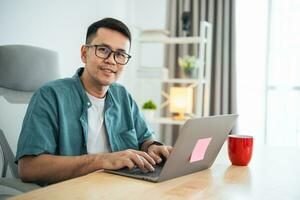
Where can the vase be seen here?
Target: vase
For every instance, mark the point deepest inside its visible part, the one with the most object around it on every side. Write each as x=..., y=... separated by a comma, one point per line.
x=190, y=73
x=148, y=114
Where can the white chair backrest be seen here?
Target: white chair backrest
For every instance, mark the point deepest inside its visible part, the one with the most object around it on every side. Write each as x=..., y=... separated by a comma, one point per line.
x=23, y=69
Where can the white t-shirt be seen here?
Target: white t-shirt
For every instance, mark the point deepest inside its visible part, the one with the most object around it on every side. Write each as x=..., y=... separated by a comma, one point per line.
x=97, y=135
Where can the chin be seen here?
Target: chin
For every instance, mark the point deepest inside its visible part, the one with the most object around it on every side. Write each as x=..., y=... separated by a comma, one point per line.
x=106, y=82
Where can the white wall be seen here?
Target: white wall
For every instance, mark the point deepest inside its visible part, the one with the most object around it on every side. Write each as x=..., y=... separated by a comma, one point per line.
x=57, y=25
x=61, y=26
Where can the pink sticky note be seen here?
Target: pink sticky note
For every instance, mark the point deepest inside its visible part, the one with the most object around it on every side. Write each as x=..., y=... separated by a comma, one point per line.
x=200, y=149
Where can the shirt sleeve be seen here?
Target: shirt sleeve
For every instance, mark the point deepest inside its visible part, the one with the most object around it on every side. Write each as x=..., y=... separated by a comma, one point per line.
x=40, y=126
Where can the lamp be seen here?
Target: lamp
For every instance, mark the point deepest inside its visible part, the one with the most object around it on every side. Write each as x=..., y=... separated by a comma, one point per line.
x=181, y=101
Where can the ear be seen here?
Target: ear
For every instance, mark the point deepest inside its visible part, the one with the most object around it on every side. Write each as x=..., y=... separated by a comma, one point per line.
x=83, y=52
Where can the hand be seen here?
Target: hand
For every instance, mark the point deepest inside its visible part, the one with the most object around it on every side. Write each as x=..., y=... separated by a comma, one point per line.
x=155, y=151
x=128, y=158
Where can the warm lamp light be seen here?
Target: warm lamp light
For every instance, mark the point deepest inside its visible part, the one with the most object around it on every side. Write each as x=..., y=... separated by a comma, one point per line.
x=181, y=101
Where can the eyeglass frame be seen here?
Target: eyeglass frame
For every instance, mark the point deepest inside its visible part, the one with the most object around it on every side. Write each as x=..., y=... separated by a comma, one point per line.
x=111, y=51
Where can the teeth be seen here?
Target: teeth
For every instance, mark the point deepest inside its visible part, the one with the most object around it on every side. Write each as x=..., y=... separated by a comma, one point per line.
x=108, y=70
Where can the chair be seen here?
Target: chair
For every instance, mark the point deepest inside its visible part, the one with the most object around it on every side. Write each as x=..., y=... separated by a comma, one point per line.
x=15, y=185
x=23, y=69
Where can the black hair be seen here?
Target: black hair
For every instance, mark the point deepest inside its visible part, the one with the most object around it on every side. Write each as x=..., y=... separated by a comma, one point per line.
x=110, y=23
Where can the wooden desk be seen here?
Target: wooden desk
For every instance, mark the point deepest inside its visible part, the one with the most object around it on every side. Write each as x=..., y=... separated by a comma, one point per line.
x=274, y=173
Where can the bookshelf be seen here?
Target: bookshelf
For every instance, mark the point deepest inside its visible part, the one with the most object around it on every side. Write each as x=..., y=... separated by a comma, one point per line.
x=201, y=84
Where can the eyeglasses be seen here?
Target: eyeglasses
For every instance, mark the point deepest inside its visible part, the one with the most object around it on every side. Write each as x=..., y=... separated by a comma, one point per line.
x=104, y=52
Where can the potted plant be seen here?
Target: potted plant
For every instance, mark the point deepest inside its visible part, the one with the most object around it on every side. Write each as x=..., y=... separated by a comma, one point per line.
x=149, y=108
x=189, y=65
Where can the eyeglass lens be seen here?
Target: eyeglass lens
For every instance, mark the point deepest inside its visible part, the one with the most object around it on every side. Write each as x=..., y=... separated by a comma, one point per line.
x=119, y=56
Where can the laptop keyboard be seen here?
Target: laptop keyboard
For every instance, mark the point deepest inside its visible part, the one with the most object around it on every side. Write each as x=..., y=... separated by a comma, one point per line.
x=138, y=171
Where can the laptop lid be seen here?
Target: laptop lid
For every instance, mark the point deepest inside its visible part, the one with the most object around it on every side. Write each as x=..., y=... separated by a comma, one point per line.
x=198, y=145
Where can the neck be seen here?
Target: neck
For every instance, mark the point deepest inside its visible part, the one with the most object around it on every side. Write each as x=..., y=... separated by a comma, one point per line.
x=93, y=87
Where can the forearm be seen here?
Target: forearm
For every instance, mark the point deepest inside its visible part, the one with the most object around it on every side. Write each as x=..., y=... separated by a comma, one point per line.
x=51, y=169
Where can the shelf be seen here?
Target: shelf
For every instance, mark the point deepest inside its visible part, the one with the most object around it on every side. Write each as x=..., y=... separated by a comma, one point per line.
x=173, y=40
x=166, y=120
x=175, y=80
x=201, y=84
x=180, y=80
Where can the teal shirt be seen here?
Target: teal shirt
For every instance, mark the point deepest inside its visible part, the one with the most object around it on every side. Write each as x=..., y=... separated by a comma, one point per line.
x=56, y=121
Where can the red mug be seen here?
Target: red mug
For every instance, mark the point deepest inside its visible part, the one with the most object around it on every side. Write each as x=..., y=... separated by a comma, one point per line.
x=240, y=149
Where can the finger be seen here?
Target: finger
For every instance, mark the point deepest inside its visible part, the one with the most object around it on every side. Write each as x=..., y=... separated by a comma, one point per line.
x=165, y=152
x=169, y=149
x=146, y=156
x=147, y=165
x=136, y=159
x=128, y=163
x=155, y=157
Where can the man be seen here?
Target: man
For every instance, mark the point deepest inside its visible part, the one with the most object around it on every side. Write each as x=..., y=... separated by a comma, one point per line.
x=78, y=125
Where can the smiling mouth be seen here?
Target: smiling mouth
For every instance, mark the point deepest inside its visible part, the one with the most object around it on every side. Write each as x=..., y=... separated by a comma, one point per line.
x=106, y=69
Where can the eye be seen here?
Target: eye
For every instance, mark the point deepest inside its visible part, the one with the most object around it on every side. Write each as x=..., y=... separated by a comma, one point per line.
x=120, y=54
x=103, y=50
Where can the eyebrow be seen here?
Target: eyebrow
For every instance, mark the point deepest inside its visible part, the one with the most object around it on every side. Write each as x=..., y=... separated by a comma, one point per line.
x=106, y=45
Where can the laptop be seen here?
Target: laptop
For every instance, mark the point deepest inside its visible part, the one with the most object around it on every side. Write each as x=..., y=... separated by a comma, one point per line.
x=195, y=149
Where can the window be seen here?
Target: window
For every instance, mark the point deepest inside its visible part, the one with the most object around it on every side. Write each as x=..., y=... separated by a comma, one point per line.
x=251, y=42
x=283, y=74
x=268, y=70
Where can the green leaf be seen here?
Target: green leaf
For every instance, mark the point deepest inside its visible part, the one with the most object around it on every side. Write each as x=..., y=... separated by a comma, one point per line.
x=149, y=105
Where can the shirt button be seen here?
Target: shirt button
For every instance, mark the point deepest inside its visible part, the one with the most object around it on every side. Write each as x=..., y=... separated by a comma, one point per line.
x=88, y=103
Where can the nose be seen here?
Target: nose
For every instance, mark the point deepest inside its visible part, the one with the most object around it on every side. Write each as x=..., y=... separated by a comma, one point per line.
x=111, y=59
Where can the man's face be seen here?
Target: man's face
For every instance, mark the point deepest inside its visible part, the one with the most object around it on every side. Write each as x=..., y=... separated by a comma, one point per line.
x=104, y=71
